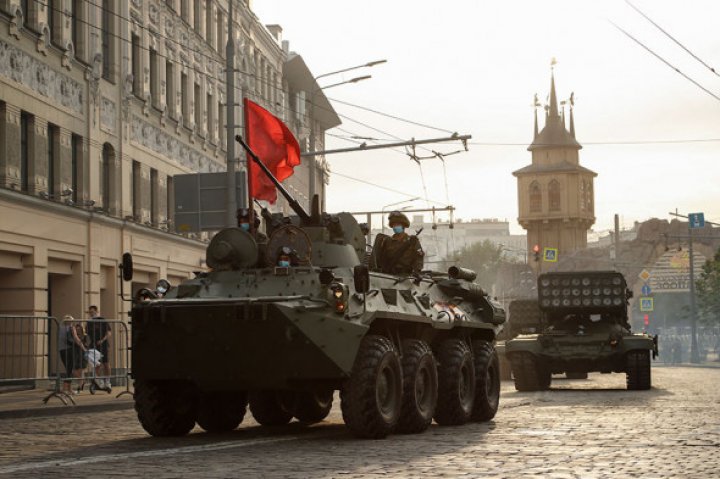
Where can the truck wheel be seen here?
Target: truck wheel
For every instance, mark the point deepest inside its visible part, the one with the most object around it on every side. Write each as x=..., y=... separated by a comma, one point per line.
x=456, y=389
x=637, y=370
x=529, y=373
x=487, y=381
x=165, y=408
x=371, y=399
x=268, y=408
x=576, y=375
x=420, y=387
x=222, y=411
x=312, y=406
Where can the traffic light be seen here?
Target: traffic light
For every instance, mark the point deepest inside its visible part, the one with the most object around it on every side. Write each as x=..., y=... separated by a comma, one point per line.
x=646, y=320
x=536, y=252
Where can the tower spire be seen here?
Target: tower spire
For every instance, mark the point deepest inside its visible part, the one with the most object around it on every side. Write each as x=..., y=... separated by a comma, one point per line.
x=536, y=104
x=553, y=112
x=572, y=119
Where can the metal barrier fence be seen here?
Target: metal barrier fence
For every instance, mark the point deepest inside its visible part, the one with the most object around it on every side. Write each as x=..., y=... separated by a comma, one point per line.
x=35, y=350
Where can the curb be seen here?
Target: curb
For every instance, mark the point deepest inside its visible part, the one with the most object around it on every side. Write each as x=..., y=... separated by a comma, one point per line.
x=62, y=410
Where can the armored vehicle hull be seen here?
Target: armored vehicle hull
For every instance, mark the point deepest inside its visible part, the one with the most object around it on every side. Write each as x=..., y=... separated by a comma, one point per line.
x=585, y=330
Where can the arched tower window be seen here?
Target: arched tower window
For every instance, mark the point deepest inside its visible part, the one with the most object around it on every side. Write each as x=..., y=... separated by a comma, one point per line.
x=554, y=195
x=589, y=196
x=535, y=198
x=583, y=206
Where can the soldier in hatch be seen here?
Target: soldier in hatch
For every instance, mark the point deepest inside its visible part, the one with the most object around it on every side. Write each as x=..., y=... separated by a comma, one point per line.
x=248, y=221
x=400, y=254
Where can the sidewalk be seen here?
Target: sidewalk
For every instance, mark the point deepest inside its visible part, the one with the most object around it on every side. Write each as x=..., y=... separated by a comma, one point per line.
x=29, y=403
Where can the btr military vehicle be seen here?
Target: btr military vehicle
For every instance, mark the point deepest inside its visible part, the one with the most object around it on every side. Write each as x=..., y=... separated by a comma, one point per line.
x=280, y=328
x=585, y=329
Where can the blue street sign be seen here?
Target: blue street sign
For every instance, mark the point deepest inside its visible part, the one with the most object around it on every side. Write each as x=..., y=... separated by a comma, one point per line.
x=697, y=220
x=646, y=290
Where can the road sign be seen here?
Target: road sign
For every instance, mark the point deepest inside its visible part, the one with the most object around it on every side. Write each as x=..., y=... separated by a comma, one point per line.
x=550, y=255
x=696, y=220
x=646, y=290
x=646, y=304
x=644, y=275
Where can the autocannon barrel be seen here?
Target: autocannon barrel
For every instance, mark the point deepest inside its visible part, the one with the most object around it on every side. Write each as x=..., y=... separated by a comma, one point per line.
x=456, y=272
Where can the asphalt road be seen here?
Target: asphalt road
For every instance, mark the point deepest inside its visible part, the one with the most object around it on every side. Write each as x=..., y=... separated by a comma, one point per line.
x=580, y=428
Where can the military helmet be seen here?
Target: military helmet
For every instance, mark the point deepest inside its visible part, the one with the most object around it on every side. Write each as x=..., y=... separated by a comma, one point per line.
x=398, y=218
x=245, y=214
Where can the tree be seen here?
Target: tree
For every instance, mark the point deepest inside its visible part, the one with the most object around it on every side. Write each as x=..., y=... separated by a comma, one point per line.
x=708, y=290
x=484, y=258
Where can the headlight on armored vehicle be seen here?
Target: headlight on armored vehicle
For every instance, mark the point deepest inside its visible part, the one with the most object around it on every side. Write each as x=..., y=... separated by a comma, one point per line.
x=339, y=293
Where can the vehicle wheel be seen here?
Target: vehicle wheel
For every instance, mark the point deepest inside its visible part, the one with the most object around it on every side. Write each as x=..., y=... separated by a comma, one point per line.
x=487, y=381
x=222, y=411
x=312, y=406
x=371, y=399
x=529, y=373
x=638, y=370
x=456, y=383
x=268, y=408
x=420, y=387
x=576, y=375
x=165, y=408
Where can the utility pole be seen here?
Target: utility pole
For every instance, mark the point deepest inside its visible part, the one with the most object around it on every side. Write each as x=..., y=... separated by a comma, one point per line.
x=231, y=204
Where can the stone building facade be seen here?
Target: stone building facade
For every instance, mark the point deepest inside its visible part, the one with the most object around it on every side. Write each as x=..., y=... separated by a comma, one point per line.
x=555, y=193
x=101, y=104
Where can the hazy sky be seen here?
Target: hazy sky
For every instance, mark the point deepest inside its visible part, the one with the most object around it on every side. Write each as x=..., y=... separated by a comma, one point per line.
x=473, y=67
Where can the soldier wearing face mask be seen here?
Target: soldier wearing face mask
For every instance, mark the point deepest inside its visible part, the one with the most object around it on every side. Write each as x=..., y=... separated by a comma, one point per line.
x=399, y=254
x=249, y=222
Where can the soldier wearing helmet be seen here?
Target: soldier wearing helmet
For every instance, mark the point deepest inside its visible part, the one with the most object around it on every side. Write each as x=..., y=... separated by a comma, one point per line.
x=399, y=254
x=248, y=221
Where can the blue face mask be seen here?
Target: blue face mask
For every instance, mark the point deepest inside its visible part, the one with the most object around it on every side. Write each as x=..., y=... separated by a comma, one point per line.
x=284, y=264
x=245, y=226
x=398, y=229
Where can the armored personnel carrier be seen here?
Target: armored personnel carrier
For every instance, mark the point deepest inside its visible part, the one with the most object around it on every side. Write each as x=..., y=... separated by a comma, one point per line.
x=281, y=327
x=585, y=329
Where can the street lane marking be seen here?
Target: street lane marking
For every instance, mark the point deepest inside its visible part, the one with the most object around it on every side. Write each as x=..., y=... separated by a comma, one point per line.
x=154, y=453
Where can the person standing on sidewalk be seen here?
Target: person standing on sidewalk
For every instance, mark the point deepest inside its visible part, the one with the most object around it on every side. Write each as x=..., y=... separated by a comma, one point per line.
x=100, y=333
x=72, y=352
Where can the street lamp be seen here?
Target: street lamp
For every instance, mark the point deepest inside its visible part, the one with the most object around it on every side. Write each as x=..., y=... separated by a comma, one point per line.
x=393, y=204
x=317, y=88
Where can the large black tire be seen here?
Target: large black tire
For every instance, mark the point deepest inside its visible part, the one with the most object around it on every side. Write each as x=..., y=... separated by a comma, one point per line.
x=311, y=406
x=420, y=387
x=269, y=409
x=487, y=381
x=371, y=400
x=576, y=375
x=456, y=383
x=637, y=370
x=529, y=373
x=222, y=411
x=166, y=408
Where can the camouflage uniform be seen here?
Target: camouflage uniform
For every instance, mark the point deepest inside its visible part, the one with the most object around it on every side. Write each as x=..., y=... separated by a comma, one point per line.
x=399, y=254
x=245, y=215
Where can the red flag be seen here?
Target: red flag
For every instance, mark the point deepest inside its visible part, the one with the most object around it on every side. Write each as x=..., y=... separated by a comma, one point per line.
x=276, y=147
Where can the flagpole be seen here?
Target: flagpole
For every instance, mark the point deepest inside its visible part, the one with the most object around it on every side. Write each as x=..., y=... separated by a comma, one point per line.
x=231, y=203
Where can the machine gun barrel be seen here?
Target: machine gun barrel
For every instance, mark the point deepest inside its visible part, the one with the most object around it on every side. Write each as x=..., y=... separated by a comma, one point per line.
x=297, y=208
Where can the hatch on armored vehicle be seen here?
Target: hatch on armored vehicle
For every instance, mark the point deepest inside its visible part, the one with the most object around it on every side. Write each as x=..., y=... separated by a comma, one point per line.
x=585, y=329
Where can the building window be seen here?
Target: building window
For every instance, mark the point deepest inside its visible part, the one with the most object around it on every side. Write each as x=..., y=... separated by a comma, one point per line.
x=209, y=22
x=75, y=166
x=198, y=108
x=52, y=157
x=554, y=195
x=184, y=9
x=197, y=23
x=589, y=196
x=136, y=62
x=55, y=14
x=208, y=114
x=26, y=5
x=154, y=80
x=535, y=198
x=220, y=31
x=108, y=43
x=583, y=207
x=184, y=98
x=107, y=175
x=78, y=29
x=135, y=187
x=25, y=134
x=170, y=94
x=221, y=122
x=154, y=188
